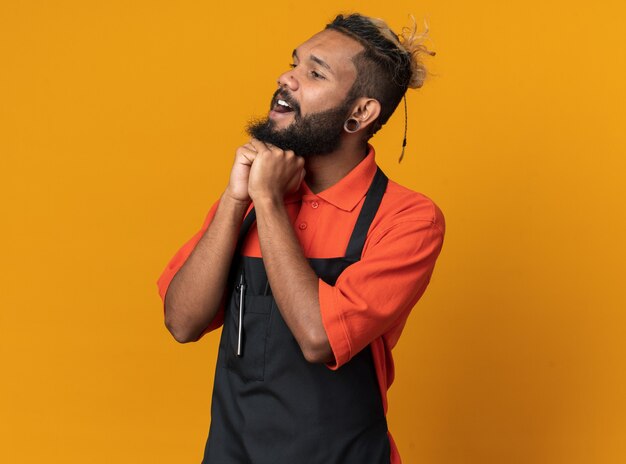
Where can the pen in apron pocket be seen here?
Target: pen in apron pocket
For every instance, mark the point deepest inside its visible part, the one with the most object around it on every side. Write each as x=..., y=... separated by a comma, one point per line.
x=242, y=289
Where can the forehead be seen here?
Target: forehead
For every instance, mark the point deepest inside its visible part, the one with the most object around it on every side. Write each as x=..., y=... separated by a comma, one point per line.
x=334, y=48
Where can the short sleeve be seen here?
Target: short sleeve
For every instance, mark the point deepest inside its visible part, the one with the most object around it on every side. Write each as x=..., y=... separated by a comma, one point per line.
x=375, y=294
x=179, y=259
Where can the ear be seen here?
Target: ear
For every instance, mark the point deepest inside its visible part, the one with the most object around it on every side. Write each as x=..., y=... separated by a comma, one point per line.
x=366, y=111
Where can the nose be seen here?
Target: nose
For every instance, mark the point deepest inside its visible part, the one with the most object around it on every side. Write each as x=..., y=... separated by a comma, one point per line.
x=288, y=80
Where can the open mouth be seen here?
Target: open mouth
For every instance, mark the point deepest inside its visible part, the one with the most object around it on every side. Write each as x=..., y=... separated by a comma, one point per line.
x=281, y=106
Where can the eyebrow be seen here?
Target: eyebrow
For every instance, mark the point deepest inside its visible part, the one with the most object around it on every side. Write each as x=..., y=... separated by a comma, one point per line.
x=314, y=58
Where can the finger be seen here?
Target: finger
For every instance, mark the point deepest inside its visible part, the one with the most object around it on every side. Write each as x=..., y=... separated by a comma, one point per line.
x=246, y=153
x=258, y=145
x=245, y=149
x=275, y=149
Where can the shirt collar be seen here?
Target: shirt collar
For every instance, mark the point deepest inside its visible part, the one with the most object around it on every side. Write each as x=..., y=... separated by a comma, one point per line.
x=347, y=193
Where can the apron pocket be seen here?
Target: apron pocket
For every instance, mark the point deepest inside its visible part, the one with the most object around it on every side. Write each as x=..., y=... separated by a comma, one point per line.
x=256, y=317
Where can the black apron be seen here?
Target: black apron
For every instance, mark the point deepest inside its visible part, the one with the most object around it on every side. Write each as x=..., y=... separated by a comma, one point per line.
x=271, y=406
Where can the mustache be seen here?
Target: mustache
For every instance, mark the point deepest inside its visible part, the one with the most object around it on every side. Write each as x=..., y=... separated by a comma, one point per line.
x=283, y=95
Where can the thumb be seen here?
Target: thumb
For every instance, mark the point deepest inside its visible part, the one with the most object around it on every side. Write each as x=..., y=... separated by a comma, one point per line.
x=302, y=174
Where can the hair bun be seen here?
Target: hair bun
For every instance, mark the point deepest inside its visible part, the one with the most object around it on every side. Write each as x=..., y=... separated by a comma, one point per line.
x=412, y=42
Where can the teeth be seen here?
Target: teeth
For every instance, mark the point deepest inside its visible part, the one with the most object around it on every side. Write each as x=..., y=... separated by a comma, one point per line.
x=283, y=103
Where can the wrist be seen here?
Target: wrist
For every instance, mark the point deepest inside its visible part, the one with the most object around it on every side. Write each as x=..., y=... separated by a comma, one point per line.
x=232, y=202
x=267, y=201
x=264, y=195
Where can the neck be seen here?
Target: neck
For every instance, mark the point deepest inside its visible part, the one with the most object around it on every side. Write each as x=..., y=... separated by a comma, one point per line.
x=324, y=171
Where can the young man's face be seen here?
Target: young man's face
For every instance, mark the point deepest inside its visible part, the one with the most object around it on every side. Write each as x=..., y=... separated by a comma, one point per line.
x=308, y=110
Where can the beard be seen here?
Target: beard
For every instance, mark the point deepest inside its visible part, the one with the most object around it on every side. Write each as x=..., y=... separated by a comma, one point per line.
x=315, y=134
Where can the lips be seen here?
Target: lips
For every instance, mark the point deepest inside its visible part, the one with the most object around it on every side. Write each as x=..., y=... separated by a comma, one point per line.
x=282, y=106
x=283, y=103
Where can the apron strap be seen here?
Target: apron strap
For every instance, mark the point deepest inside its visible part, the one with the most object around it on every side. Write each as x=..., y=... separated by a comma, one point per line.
x=243, y=231
x=370, y=207
x=245, y=227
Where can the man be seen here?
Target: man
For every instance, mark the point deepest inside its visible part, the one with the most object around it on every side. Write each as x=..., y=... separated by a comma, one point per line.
x=311, y=261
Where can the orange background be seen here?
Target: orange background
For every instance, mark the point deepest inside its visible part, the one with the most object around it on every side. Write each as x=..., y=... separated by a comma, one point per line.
x=118, y=125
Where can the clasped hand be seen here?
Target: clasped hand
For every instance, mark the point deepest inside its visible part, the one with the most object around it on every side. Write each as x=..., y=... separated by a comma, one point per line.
x=264, y=172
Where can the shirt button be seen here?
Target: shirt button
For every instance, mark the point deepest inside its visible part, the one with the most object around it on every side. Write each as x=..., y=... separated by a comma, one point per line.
x=314, y=205
x=302, y=225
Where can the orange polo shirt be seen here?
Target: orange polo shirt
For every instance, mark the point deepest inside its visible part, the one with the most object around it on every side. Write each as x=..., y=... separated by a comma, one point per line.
x=371, y=300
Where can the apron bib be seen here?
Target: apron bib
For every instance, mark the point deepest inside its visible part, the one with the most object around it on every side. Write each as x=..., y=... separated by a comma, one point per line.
x=270, y=405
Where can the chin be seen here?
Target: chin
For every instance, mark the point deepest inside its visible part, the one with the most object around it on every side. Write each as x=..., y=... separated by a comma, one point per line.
x=280, y=125
x=281, y=121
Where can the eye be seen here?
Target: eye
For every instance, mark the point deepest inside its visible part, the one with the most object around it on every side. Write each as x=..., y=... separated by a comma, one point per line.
x=292, y=65
x=317, y=75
